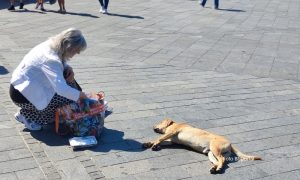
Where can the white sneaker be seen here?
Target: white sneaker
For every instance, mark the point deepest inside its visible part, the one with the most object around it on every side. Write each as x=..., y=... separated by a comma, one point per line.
x=105, y=11
x=101, y=9
x=30, y=125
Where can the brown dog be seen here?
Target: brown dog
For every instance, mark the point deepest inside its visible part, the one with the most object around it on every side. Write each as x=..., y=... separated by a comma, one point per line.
x=199, y=140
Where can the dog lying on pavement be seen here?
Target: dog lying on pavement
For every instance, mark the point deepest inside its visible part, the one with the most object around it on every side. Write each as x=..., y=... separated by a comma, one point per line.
x=199, y=140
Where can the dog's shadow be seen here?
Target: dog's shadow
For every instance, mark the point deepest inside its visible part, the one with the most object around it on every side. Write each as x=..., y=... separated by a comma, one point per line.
x=229, y=158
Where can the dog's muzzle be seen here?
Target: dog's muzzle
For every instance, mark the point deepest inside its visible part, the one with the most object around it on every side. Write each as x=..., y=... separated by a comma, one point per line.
x=157, y=130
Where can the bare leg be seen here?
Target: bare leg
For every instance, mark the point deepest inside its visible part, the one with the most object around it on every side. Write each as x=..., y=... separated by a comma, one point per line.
x=37, y=4
x=21, y=4
x=12, y=5
x=61, y=4
x=42, y=5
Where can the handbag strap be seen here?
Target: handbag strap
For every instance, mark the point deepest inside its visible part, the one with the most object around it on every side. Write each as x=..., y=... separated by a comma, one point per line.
x=56, y=121
x=57, y=125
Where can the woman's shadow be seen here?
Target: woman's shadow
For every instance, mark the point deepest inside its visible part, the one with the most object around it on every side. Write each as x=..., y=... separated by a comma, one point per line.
x=109, y=140
x=112, y=140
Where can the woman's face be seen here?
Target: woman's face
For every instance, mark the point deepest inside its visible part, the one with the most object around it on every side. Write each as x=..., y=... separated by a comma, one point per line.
x=72, y=52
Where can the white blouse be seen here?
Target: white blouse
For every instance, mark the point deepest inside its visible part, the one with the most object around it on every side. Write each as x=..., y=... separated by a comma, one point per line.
x=40, y=75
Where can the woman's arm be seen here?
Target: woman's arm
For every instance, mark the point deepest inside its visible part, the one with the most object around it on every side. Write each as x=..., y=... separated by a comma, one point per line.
x=53, y=70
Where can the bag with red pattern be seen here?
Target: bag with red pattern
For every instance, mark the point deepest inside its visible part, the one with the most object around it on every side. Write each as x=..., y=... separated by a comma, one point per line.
x=85, y=118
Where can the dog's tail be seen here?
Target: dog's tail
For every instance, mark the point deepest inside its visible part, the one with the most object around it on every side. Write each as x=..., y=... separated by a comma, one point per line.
x=244, y=156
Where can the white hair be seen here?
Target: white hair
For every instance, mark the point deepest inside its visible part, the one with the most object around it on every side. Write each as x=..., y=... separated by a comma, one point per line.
x=67, y=41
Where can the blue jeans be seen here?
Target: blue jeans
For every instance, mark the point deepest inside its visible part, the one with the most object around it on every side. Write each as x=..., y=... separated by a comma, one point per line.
x=104, y=3
x=216, y=3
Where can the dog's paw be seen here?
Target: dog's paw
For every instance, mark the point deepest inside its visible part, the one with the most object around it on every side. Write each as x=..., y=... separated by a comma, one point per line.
x=213, y=170
x=156, y=148
x=147, y=145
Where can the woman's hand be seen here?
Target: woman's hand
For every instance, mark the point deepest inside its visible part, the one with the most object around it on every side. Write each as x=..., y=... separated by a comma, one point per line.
x=69, y=74
x=82, y=96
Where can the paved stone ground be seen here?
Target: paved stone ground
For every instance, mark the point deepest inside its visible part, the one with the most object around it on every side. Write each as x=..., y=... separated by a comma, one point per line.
x=234, y=72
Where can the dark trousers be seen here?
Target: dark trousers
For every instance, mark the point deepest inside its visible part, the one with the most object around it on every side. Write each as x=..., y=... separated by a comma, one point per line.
x=104, y=3
x=216, y=3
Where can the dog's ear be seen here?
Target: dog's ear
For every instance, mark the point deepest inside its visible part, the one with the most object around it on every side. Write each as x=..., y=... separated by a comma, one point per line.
x=169, y=122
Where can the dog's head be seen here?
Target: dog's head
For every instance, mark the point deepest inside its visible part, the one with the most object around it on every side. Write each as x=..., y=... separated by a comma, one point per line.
x=162, y=126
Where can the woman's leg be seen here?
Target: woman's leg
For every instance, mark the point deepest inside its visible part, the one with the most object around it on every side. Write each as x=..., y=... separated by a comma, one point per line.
x=21, y=4
x=37, y=4
x=29, y=111
x=12, y=5
x=61, y=4
x=101, y=2
x=42, y=5
x=216, y=4
x=46, y=115
x=106, y=4
x=203, y=3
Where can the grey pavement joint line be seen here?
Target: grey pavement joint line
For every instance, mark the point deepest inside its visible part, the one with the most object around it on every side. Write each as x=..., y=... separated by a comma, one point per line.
x=26, y=144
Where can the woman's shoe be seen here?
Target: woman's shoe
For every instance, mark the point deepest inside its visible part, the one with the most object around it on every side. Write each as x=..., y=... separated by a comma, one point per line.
x=21, y=5
x=30, y=125
x=101, y=9
x=11, y=8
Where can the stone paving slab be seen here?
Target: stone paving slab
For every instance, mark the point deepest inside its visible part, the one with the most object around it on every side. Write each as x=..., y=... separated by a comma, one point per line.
x=234, y=72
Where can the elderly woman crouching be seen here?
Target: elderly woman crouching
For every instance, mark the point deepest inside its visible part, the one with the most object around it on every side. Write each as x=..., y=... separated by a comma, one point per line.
x=43, y=81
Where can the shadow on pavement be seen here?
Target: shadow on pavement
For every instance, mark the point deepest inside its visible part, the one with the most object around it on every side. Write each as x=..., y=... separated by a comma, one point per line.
x=4, y=4
x=3, y=70
x=125, y=16
x=112, y=139
x=51, y=11
x=109, y=140
x=28, y=11
x=76, y=14
x=230, y=158
x=49, y=137
x=231, y=10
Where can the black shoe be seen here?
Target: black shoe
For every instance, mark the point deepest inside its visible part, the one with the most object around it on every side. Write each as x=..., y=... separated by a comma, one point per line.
x=21, y=5
x=11, y=8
